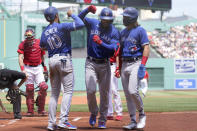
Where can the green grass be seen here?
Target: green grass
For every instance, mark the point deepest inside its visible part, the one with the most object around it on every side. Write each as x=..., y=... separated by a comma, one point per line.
x=156, y=101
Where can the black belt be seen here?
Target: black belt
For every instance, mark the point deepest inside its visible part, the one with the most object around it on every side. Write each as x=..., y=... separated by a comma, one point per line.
x=131, y=59
x=98, y=61
x=32, y=65
x=60, y=54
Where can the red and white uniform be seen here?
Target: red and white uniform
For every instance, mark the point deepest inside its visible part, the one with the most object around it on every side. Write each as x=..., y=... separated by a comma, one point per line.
x=113, y=92
x=144, y=84
x=32, y=60
x=32, y=66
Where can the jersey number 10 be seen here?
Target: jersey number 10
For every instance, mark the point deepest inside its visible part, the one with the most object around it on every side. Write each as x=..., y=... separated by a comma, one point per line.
x=54, y=41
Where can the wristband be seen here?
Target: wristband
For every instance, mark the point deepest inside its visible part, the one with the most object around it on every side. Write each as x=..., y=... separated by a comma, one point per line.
x=144, y=60
x=45, y=69
x=22, y=68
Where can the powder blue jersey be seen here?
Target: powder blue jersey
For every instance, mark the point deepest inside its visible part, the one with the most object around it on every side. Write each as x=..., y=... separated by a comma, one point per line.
x=109, y=36
x=132, y=41
x=56, y=37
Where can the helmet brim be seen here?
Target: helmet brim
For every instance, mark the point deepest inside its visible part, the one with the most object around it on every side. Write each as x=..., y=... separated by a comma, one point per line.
x=106, y=18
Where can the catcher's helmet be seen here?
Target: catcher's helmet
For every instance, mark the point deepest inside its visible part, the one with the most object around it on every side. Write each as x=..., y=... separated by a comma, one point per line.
x=106, y=14
x=29, y=34
x=50, y=13
x=131, y=12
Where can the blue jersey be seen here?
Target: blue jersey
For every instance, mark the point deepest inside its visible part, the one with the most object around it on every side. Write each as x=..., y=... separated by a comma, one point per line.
x=109, y=36
x=56, y=37
x=132, y=41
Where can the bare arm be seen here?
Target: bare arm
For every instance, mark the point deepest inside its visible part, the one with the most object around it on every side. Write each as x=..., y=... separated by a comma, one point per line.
x=146, y=50
x=20, y=59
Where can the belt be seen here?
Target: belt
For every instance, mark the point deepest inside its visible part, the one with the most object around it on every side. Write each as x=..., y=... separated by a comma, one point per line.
x=131, y=59
x=98, y=61
x=31, y=65
x=60, y=54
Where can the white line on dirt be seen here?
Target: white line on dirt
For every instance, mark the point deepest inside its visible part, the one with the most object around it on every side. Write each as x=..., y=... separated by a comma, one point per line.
x=76, y=119
x=11, y=122
x=2, y=125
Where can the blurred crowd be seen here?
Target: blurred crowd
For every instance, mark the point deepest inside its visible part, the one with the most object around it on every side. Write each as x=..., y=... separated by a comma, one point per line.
x=178, y=42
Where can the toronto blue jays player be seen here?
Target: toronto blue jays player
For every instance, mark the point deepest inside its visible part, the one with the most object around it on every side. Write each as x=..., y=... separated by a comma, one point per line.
x=57, y=40
x=134, y=54
x=102, y=42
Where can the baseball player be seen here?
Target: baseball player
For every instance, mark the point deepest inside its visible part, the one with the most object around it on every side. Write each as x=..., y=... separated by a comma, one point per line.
x=144, y=84
x=8, y=80
x=113, y=91
x=57, y=40
x=134, y=55
x=30, y=58
x=102, y=42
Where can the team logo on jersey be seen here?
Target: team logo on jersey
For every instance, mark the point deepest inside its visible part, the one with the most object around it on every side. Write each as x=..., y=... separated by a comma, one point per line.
x=150, y=2
x=33, y=49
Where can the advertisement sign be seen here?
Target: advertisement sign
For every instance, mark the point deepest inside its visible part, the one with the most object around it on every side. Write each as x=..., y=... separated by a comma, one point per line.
x=185, y=84
x=185, y=66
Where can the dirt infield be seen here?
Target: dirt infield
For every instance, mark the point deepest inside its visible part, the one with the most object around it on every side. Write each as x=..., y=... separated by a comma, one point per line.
x=174, y=121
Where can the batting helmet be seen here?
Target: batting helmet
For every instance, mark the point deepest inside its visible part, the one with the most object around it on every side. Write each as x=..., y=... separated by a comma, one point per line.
x=50, y=13
x=131, y=14
x=29, y=34
x=106, y=14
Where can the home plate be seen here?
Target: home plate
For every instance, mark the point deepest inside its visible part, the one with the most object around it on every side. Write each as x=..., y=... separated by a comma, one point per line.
x=76, y=119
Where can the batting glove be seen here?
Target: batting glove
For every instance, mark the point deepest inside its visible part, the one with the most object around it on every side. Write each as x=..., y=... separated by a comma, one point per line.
x=141, y=71
x=117, y=72
x=97, y=39
x=92, y=9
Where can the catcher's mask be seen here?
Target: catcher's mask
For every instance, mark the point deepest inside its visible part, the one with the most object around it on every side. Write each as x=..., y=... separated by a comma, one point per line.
x=29, y=34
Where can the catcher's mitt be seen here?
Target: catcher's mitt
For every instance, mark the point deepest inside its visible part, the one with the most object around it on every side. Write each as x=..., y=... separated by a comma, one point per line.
x=12, y=95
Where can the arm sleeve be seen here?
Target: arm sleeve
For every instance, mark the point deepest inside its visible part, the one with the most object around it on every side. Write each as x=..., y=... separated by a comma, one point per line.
x=42, y=45
x=77, y=24
x=82, y=15
x=21, y=48
x=143, y=37
x=113, y=43
x=17, y=75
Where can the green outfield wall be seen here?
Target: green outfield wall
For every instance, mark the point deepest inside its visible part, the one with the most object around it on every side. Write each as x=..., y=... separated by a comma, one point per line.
x=162, y=73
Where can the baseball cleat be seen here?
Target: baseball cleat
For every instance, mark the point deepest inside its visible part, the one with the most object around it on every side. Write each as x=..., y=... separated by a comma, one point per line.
x=101, y=125
x=131, y=126
x=52, y=128
x=67, y=125
x=17, y=116
x=30, y=114
x=110, y=117
x=92, y=120
x=42, y=113
x=142, y=122
x=118, y=118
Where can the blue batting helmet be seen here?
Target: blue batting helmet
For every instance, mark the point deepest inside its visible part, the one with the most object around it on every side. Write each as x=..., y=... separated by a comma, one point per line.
x=106, y=14
x=50, y=13
x=130, y=12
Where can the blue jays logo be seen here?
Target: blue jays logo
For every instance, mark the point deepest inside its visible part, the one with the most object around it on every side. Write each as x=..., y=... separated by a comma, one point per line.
x=150, y=2
x=106, y=13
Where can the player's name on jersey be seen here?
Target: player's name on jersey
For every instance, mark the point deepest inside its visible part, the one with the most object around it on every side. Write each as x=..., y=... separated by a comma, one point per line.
x=50, y=31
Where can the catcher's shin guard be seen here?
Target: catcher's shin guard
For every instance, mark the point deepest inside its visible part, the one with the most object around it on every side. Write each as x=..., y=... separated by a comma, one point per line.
x=30, y=98
x=42, y=93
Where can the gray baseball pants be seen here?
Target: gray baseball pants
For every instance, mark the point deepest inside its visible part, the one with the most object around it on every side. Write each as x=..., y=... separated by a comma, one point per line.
x=97, y=73
x=130, y=83
x=61, y=75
